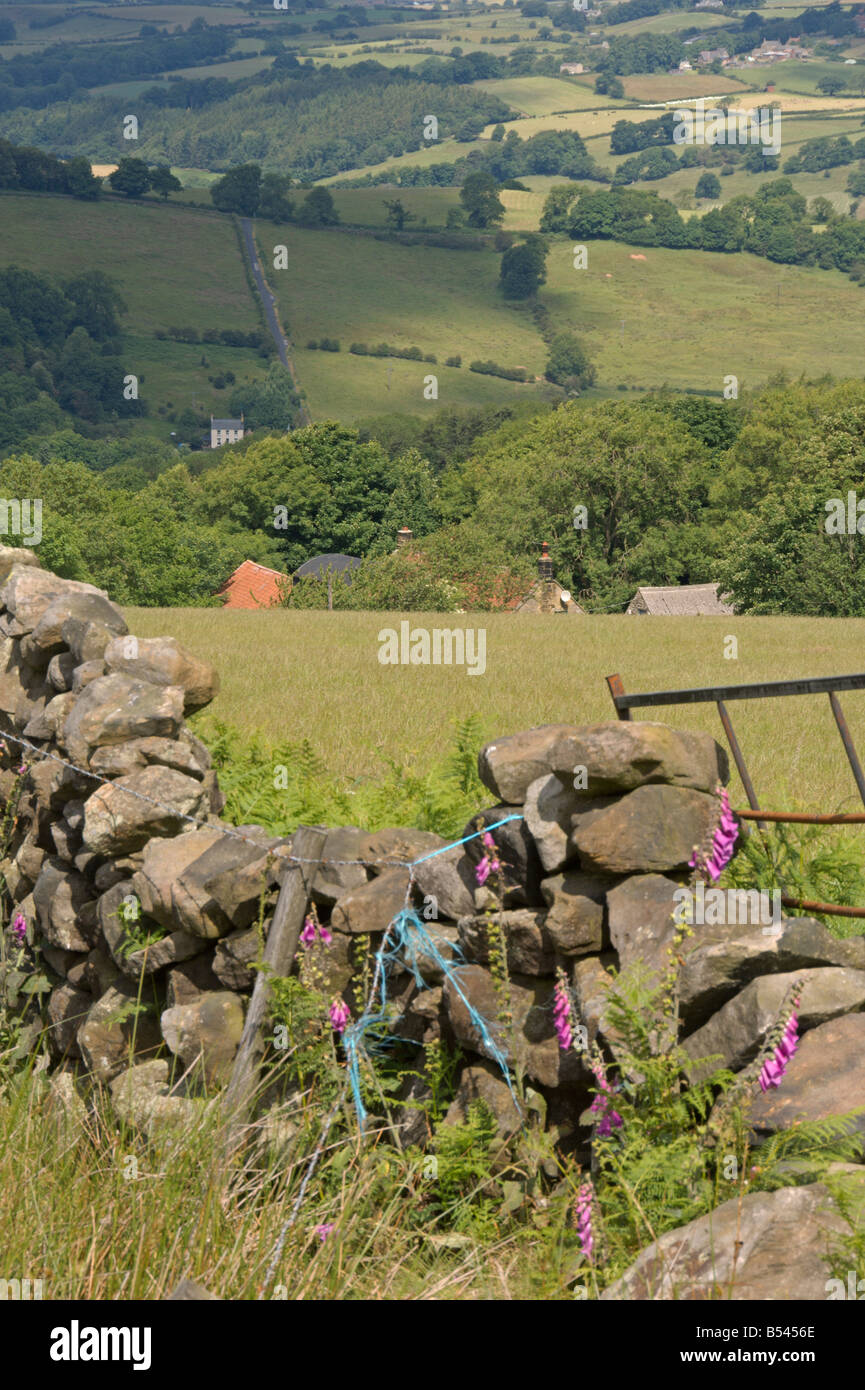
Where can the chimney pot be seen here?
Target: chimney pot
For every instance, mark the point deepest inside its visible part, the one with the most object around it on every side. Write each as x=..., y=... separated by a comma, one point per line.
x=404, y=535
x=545, y=564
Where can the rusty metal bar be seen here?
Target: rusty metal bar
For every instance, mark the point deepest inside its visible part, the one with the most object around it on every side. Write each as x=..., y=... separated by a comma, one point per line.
x=820, y=685
x=803, y=817
x=828, y=908
x=741, y=766
x=849, y=749
x=617, y=691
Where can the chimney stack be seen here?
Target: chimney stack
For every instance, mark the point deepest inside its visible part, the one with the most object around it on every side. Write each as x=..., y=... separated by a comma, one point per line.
x=545, y=564
x=403, y=537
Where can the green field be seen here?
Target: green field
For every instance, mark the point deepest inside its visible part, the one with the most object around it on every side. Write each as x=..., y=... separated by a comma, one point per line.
x=201, y=283
x=317, y=676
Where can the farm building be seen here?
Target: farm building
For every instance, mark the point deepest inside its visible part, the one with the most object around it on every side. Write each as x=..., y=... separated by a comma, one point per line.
x=225, y=431
x=546, y=595
x=253, y=586
x=679, y=601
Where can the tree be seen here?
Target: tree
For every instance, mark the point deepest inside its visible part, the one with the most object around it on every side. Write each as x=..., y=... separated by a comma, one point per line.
x=523, y=271
x=80, y=181
x=318, y=209
x=163, y=182
x=568, y=364
x=274, y=202
x=831, y=86
x=479, y=196
x=397, y=214
x=131, y=177
x=708, y=186
x=239, y=190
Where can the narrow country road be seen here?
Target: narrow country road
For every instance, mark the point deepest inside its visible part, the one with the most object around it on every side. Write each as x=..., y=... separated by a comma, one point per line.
x=268, y=300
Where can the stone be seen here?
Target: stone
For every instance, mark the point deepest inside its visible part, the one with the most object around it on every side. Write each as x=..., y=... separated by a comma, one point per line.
x=509, y=765
x=449, y=881
x=445, y=939
x=119, y=759
x=66, y=1108
x=640, y=914
x=54, y=784
x=521, y=867
x=114, y=1024
x=826, y=1076
x=400, y=845
x=59, y=894
x=15, y=555
x=61, y=669
x=116, y=708
x=327, y=968
x=185, y=983
x=575, y=919
x=142, y=1100
x=591, y=984
x=738, y=1030
x=21, y=699
x=188, y=1291
x=372, y=907
x=67, y=1009
x=222, y=888
x=47, y=638
x=144, y=960
x=620, y=755
x=207, y=1031
x=47, y=722
x=529, y=948
x=28, y=592
x=163, y=661
x=125, y=814
x=530, y=1041
x=233, y=959
x=66, y=841
x=85, y=673
x=653, y=828
x=483, y=1081
x=155, y=882
x=765, y=1246
x=715, y=968
x=549, y=809
x=87, y=640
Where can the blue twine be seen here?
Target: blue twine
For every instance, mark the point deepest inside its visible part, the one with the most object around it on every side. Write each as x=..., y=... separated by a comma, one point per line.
x=405, y=939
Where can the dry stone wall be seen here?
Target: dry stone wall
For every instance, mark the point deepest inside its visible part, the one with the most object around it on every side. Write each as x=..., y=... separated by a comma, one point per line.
x=113, y=802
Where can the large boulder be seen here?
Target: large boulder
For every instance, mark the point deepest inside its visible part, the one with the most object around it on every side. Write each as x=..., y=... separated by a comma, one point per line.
x=575, y=919
x=620, y=755
x=640, y=914
x=549, y=809
x=483, y=1081
x=116, y=708
x=447, y=881
x=715, y=969
x=142, y=1099
x=521, y=867
x=15, y=555
x=739, y=1029
x=372, y=907
x=206, y=1032
x=157, y=882
x=653, y=828
x=59, y=895
x=343, y=869
x=47, y=640
x=28, y=592
x=163, y=661
x=122, y=816
x=509, y=765
x=765, y=1246
x=67, y=1009
x=530, y=950
x=120, y=759
x=117, y=1023
x=825, y=1077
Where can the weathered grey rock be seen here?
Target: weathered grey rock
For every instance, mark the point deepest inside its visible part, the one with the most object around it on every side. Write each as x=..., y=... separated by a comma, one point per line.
x=549, y=810
x=67, y=1009
x=30, y=858
x=509, y=765
x=576, y=903
x=328, y=968
x=372, y=907
x=163, y=661
x=715, y=969
x=142, y=1099
x=87, y=640
x=445, y=939
x=85, y=673
x=116, y=708
x=208, y=1032
x=768, y=1246
x=124, y=815
x=156, y=882
x=120, y=759
x=400, y=845
x=136, y=961
x=233, y=959
x=15, y=555
x=591, y=984
x=737, y=1031
x=620, y=755
x=115, y=1023
x=65, y=1107
x=652, y=828
x=825, y=1077
x=21, y=698
x=61, y=669
x=59, y=895
x=66, y=841
x=222, y=888
x=333, y=880
x=516, y=851
x=531, y=1040
x=54, y=784
x=185, y=983
x=483, y=1081
x=530, y=950
x=28, y=592
x=447, y=883
x=640, y=914
x=47, y=638
x=47, y=722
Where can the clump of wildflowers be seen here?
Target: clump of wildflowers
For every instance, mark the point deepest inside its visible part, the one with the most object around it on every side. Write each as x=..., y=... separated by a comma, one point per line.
x=324, y=1230
x=562, y=1011
x=19, y=928
x=608, y=1119
x=723, y=840
x=314, y=930
x=490, y=863
x=584, y=1219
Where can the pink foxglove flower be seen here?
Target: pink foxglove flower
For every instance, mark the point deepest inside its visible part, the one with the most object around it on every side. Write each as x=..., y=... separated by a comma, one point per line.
x=584, y=1219
x=489, y=864
x=339, y=1015
x=19, y=928
x=608, y=1119
x=723, y=842
x=562, y=1012
x=324, y=1230
x=776, y=1065
x=313, y=931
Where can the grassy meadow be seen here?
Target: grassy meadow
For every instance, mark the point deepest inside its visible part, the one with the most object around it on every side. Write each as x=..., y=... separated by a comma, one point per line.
x=289, y=676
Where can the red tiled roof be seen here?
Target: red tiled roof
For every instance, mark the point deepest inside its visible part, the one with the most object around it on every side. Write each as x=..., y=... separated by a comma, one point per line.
x=253, y=586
